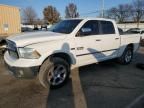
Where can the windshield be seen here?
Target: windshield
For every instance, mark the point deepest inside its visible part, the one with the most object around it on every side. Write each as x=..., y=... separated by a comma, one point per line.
x=65, y=26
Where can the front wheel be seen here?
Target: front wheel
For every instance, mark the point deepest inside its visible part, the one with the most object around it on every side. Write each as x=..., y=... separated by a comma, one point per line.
x=127, y=56
x=54, y=72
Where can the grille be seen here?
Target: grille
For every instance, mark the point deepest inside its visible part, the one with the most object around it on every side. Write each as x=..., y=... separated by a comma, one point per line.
x=11, y=47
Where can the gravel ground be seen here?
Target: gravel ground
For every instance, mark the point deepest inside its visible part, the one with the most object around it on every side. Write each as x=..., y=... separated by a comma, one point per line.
x=104, y=85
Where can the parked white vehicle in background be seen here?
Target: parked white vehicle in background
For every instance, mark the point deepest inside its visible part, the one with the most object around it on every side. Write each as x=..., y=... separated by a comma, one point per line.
x=136, y=31
x=71, y=43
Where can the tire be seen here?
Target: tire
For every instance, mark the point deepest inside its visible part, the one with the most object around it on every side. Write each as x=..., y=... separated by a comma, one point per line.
x=54, y=73
x=127, y=56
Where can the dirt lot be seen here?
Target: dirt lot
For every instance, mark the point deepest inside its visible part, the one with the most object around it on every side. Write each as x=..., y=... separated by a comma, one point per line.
x=104, y=85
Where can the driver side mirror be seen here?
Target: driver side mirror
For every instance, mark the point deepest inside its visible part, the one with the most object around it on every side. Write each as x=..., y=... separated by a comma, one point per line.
x=86, y=30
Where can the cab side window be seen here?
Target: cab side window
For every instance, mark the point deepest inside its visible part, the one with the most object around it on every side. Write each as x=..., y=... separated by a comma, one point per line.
x=90, y=28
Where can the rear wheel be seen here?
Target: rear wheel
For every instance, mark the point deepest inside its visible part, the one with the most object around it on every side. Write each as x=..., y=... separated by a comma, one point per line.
x=54, y=72
x=127, y=56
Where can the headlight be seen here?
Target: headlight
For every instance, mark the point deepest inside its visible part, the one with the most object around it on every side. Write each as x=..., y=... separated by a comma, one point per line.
x=28, y=53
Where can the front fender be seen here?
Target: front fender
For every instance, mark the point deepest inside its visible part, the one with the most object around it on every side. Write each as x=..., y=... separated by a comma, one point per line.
x=47, y=49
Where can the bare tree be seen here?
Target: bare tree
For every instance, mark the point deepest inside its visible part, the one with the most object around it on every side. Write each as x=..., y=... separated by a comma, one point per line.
x=121, y=13
x=111, y=13
x=138, y=10
x=51, y=15
x=29, y=15
x=71, y=11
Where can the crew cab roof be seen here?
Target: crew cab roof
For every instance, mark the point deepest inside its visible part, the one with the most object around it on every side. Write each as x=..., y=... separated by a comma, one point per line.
x=103, y=19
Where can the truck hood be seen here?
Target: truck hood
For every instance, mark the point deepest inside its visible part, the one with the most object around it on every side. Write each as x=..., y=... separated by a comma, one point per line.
x=25, y=39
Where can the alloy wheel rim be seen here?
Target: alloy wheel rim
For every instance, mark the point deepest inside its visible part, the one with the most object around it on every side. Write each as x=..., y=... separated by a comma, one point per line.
x=128, y=56
x=56, y=74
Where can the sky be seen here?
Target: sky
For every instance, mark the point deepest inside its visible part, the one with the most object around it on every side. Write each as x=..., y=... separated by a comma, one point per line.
x=84, y=6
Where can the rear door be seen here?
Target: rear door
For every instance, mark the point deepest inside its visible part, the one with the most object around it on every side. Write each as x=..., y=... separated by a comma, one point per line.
x=110, y=39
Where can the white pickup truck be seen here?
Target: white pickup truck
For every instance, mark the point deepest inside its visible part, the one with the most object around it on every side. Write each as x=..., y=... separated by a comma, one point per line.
x=70, y=43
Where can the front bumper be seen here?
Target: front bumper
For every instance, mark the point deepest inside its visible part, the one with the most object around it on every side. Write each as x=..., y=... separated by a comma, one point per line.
x=21, y=68
x=23, y=72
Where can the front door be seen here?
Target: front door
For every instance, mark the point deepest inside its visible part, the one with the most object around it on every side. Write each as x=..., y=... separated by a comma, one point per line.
x=88, y=42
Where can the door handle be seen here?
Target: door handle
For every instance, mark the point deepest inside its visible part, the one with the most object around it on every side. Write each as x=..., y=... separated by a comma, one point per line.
x=80, y=48
x=116, y=38
x=98, y=40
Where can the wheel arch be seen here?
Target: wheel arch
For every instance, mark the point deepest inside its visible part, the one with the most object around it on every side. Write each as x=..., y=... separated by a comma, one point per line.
x=69, y=58
x=123, y=48
x=64, y=56
x=131, y=45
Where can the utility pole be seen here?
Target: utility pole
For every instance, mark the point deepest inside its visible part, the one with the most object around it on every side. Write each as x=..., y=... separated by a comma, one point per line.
x=102, y=9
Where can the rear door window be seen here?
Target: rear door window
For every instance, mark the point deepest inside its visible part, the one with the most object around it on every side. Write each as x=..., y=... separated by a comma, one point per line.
x=107, y=27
